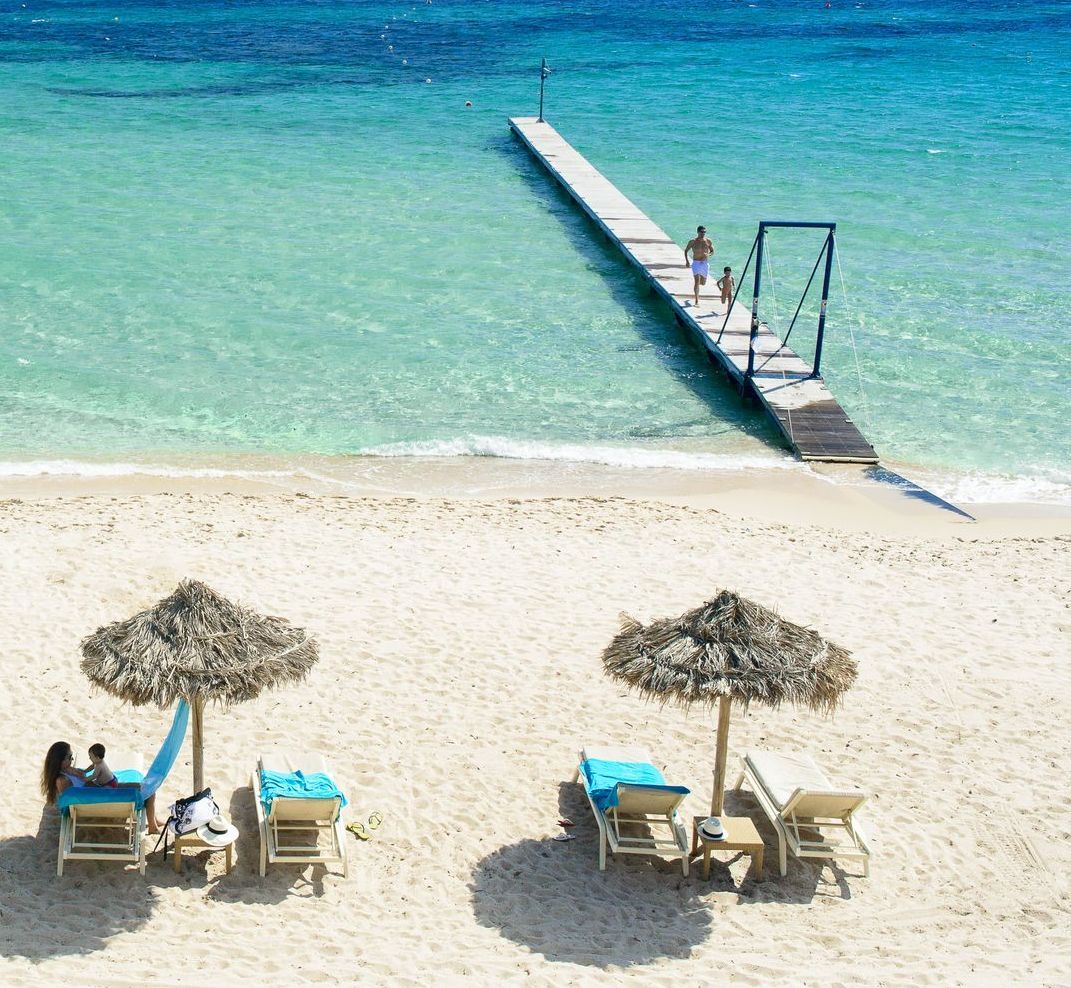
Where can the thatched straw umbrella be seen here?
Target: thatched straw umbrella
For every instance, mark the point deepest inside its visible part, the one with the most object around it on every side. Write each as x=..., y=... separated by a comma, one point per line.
x=729, y=649
x=198, y=646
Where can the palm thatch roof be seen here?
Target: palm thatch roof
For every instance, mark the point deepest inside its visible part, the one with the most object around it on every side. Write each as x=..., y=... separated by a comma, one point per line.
x=730, y=647
x=196, y=644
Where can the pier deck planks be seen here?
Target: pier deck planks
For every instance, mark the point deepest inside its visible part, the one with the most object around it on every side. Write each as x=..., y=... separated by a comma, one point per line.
x=802, y=407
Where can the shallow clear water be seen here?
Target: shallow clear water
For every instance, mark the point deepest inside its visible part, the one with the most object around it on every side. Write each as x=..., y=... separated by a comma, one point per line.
x=236, y=227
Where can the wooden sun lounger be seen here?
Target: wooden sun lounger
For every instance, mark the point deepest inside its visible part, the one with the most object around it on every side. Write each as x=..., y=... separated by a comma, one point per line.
x=101, y=818
x=290, y=816
x=651, y=816
x=804, y=807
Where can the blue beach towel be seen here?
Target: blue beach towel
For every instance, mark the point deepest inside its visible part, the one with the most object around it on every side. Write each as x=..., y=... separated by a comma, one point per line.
x=601, y=779
x=296, y=785
x=91, y=795
x=150, y=782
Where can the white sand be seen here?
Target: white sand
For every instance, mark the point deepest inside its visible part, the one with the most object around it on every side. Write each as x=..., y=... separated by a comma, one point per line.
x=459, y=673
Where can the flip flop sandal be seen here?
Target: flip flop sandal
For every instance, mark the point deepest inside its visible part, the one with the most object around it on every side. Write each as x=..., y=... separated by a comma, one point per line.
x=375, y=820
x=564, y=837
x=358, y=830
x=566, y=822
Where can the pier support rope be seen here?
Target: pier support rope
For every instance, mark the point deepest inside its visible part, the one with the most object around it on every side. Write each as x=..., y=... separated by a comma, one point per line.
x=814, y=271
x=851, y=337
x=768, y=255
x=739, y=285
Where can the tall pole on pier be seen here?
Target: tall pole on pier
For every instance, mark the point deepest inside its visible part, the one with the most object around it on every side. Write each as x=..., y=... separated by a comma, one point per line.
x=760, y=240
x=817, y=372
x=544, y=71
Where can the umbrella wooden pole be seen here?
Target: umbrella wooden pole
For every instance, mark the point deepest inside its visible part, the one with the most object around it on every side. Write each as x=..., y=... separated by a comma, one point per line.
x=724, y=709
x=198, y=744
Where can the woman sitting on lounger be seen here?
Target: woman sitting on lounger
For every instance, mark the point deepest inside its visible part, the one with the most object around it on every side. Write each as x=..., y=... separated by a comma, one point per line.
x=59, y=775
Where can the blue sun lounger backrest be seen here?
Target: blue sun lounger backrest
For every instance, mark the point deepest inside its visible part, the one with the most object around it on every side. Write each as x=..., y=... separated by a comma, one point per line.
x=601, y=779
x=150, y=782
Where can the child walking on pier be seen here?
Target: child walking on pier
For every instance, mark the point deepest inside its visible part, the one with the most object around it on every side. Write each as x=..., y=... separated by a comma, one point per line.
x=727, y=284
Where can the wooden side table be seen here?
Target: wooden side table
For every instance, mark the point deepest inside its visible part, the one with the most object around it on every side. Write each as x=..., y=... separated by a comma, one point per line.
x=740, y=835
x=192, y=840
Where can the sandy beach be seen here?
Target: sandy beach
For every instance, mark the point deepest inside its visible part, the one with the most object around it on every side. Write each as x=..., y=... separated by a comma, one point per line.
x=460, y=672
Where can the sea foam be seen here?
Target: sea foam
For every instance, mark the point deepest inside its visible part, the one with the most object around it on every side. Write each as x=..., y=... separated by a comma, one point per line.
x=976, y=487
x=613, y=456
x=86, y=469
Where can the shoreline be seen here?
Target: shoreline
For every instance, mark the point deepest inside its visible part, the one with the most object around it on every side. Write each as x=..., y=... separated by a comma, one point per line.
x=848, y=497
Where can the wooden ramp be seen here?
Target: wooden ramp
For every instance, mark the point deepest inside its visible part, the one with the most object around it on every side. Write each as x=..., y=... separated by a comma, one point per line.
x=803, y=408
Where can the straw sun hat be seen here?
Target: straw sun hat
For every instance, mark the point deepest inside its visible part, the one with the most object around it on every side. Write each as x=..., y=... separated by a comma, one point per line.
x=217, y=832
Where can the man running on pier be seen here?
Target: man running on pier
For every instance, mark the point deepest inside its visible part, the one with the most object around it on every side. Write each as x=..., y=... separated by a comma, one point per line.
x=701, y=249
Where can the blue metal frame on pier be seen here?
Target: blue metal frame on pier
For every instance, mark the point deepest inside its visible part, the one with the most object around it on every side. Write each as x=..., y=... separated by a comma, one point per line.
x=827, y=249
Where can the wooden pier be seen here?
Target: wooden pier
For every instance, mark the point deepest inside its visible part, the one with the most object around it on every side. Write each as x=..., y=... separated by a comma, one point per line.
x=803, y=408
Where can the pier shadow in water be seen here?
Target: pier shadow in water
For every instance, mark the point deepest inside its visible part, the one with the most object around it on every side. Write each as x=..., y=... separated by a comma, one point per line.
x=652, y=318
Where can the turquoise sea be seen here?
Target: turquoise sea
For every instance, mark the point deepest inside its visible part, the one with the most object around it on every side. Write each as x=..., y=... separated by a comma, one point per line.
x=245, y=227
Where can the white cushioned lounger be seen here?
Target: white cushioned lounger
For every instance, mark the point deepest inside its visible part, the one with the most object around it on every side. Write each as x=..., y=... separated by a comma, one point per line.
x=803, y=805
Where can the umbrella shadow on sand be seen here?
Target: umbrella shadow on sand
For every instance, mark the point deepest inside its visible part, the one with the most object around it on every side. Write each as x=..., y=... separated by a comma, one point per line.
x=551, y=898
x=43, y=915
